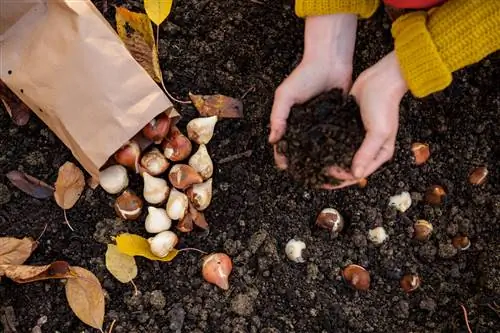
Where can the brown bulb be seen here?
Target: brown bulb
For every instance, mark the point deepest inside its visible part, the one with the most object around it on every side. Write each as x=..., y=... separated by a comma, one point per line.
x=410, y=282
x=128, y=206
x=158, y=128
x=423, y=230
x=357, y=276
x=176, y=146
x=182, y=176
x=185, y=224
x=421, y=152
x=331, y=220
x=198, y=217
x=435, y=195
x=216, y=269
x=461, y=242
x=478, y=176
x=128, y=155
x=154, y=162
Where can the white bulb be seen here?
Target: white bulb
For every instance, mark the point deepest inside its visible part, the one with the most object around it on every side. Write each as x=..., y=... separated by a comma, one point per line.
x=163, y=243
x=377, y=235
x=400, y=202
x=293, y=250
x=113, y=179
x=157, y=220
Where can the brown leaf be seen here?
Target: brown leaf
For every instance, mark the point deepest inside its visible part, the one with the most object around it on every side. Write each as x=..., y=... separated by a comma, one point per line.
x=217, y=105
x=27, y=273
x=17, y=110
x=85, y=297
x=69, y=185
x=14, y=251
x=30, y=185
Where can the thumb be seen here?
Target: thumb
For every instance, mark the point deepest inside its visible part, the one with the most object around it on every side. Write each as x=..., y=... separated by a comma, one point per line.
x=279, y=114
x=366, y=153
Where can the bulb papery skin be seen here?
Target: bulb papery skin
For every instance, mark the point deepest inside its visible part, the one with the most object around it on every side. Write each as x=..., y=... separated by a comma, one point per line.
x=114, y=179
x=157, y=220
x=163, y=243
x=202, y=162
x=155, y=189
x=200, y=195
x=128, y=155
x=176, y=146
x=293, y=250
x=154, y=162
x=177, y=204
x=181, y=176
x=400, y=202
x=201, y=130
x=216, y=269
x=157, y=128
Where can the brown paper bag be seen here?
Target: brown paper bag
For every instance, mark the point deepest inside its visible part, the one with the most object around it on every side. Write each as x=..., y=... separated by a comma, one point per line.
x=63, y=59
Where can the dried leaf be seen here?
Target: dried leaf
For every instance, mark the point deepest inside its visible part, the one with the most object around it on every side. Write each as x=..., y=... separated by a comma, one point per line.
x=158, y=10
x=85, y=297
x=136, y=32
x=14, y=251
x=30, y=185
x=135, y=245
x=69, y=185
x=121, y=265
x=198, y=217
x=217, y=105
x=17, y=110
x=27, y=273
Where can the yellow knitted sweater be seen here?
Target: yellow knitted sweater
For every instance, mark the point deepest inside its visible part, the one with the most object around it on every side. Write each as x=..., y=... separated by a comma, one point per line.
x=430, y=45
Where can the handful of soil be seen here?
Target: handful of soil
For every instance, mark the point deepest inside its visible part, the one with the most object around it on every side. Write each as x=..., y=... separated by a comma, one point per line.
x=323, y=132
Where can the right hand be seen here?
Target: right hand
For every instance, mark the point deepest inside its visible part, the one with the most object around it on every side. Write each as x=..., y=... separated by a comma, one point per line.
x=329, y=42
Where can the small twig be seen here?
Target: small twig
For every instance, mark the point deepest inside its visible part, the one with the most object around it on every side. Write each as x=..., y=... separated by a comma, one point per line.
x=495, y=308
x=466, y=318
x=251, y=89
x=43, y=231
x=235, y=157
x=136, y=292
x=67, y=222
x=192, y=249
x=257, y=2
x=112, y=325
x=161, y=76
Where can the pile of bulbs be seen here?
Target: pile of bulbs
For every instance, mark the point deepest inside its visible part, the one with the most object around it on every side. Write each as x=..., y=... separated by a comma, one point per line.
x=177, y=182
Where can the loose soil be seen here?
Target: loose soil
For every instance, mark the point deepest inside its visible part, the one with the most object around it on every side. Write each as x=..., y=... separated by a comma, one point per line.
x=322, y=133
x=246, y=48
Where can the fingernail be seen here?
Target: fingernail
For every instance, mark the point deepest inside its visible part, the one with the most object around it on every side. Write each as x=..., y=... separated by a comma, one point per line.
x=357, y=172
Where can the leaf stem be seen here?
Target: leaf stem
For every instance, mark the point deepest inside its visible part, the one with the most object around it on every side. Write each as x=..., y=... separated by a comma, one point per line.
x=112, y=326
x=136, y=292
x=43, y=231
x=67, y=222
x=192, y=249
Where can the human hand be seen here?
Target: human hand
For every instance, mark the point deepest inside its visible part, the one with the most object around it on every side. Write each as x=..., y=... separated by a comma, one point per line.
x=326, y=64
x=378, y=92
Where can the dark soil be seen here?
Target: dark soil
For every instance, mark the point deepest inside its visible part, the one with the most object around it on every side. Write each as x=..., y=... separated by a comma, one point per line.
x=238, y=47
x=323, y=132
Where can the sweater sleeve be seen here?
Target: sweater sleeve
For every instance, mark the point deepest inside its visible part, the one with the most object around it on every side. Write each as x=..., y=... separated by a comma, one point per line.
x=363, y=8
x=431, y=46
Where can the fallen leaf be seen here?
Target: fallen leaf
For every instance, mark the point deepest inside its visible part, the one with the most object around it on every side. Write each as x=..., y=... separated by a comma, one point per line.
x=136, y=32
x=14, y=251
x=69, y=185
x=217, y=105
x=121, y=265
x=135, y=245
x=85, y=297
x=30, y=185
x=17, y=110
x=158, y=10
x=27, y=273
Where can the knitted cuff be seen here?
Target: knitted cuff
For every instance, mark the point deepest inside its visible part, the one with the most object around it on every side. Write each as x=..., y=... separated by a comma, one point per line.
x=421, y=64
x=363, y=8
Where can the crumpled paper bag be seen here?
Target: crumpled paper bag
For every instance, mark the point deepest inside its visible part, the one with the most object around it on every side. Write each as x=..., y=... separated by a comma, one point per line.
x=64, y=60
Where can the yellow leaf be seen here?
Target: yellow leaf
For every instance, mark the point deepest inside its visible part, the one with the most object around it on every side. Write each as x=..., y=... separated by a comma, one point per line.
x=85, y=297
x=121, y=265
x=136, y=32
x=69, y=185
x=158, y=10
x=135, y=245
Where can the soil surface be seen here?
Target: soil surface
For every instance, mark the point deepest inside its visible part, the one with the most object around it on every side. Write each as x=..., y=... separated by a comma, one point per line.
x=245, y=49
x=322, y=133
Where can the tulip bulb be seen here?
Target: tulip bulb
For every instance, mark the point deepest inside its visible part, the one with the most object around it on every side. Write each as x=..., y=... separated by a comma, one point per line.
x=198, y=217
x=128, y=155
x=157, y=129
x=177, y=205
x=157, y=220
x=293, y=250
x=155, y=189
x=201, y=130
x=185, y=224
x=176, y=145
x=128, y=206
x=216, y=269
x=182, y=176
x=400, y=202
x=154, y=162
x=114, y=179
x=200, y=195
x=163, y=243
x=202, y=162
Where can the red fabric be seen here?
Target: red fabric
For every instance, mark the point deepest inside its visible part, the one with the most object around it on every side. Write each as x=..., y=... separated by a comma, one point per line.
x=413, y=4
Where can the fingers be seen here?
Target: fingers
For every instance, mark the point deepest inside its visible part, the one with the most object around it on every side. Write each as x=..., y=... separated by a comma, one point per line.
x=279, y=159
x=384, y=155
x=279, y=113
x=367, y=153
